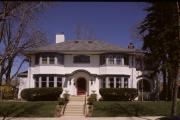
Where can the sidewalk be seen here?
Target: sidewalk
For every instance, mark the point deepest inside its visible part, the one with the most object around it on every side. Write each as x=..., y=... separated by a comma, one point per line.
x=88, y=118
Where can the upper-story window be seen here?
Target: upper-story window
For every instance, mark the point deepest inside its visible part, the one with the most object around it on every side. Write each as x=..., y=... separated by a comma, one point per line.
x=60, y=58
x=126, y=60
x=51, y=59
x=102, y=59
x=111, y=60
x=44, y=59
x=118, y=60
x=114, y=59
x=36, y=59
x=81, y=59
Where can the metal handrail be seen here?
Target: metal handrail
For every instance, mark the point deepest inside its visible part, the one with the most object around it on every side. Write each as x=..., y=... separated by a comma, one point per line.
x=64, y=108
x=85, y=104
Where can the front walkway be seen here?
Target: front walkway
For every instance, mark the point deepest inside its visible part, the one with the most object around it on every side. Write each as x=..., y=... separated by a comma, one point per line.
x=89, y=118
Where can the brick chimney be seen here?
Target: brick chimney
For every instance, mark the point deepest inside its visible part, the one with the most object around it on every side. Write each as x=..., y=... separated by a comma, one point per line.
x=60, y=37
x=131, y=46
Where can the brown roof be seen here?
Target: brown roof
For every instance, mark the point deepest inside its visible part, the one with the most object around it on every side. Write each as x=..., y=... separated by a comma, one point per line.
x=81, y=46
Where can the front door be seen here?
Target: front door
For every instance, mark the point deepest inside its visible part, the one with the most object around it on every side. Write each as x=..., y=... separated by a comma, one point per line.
x=81, y=86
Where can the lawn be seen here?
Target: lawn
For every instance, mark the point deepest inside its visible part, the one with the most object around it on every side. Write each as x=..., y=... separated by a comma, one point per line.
x=28, y=109
x=114, y=108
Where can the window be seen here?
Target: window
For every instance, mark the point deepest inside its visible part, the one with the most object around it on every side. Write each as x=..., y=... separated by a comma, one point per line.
x=102, y=59
x=44, y=60
x=118, y=82
x=43, y=82
x=36, y=59
x=60, y=59
x=125, y=82
x=36, y=82
x=111, y=60
x=126, y=60
x=118, y=60
x=59, y=82
x=103, y=82
x=81, y=59
x=51, y=59
x=51, y=81
x=111, y=84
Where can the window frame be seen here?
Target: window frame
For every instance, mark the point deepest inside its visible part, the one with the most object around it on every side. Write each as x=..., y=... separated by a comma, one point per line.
x=81, y=59
x=59, y=82
x=51, y=81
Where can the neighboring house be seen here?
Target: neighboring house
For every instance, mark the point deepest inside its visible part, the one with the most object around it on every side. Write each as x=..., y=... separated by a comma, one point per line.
x=83, y=66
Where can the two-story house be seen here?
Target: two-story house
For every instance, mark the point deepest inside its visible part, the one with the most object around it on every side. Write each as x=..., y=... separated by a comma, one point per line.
x=82, y=66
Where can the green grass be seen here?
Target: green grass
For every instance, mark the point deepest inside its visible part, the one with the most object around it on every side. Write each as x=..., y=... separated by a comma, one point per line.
x=28, y=109
x=114, y=108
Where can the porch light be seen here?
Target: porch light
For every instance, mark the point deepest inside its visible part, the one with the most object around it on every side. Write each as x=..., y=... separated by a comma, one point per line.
x=69, y=82
x=91, y=81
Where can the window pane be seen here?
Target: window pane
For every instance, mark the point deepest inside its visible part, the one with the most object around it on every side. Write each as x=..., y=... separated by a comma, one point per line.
x=118, y=82
x=118, y=61
x=36, y=82
x=111, y=82
x=81, y=59
x=51, y=60
x=51, y=81
x=60, y=59
x=125, y=82
x=59, y=82
x=102, y=59
x=36, y=59
x=126, y=60
x=111, y=60
x=44, y=60
x=43, y=83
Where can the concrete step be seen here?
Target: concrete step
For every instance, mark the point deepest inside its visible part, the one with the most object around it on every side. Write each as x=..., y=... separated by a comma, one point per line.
x=74, y=108
x=71, y=114
x=75, y=103
x=76, y=99
x=74, y=111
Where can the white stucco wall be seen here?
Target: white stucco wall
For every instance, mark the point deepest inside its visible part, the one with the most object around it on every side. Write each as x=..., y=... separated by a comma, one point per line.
x=93, y=68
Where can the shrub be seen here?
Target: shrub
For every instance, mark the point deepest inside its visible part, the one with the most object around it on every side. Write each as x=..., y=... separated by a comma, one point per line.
x=121, y=94
x=41, y=94
x=61, y=101
x=92, y=98
x=7, y=92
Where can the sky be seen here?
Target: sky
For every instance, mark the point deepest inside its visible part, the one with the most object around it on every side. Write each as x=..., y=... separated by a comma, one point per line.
x=112, y=22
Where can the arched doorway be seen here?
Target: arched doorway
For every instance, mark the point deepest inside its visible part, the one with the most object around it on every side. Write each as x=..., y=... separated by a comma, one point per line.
x=81, y=86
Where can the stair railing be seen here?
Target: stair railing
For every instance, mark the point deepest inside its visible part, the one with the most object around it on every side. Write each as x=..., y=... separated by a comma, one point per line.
x=85, y=104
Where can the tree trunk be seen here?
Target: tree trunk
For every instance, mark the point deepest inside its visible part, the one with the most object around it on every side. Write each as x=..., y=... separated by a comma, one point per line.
x=175, y=81
x=8, y=73
x=174, y=97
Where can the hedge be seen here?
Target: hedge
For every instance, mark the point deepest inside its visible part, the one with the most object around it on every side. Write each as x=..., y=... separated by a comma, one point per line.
x=41, y=94
x=120, y=94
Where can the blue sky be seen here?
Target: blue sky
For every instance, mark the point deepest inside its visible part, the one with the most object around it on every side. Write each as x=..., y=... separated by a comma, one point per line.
x=113, y=22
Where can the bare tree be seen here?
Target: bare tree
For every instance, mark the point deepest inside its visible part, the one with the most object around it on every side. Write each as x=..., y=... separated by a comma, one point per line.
x=17, y=34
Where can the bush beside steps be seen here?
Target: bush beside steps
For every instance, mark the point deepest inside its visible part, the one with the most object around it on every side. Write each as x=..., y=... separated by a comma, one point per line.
x=118, y=94
x=41, y=94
